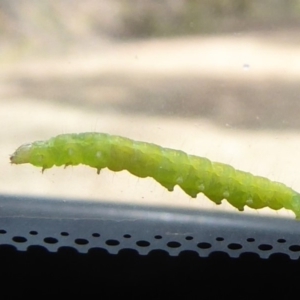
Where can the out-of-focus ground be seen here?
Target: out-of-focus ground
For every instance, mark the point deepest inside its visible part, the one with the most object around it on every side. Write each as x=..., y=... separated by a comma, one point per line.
x=231, y=97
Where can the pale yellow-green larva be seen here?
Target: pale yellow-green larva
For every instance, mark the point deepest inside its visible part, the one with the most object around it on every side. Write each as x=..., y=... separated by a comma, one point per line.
x=167, y=166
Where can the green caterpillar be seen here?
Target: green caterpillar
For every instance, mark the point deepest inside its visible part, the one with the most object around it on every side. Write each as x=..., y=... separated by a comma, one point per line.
x=167, y=166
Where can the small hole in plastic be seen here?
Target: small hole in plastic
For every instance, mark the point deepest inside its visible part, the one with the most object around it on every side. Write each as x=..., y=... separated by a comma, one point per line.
x=64, y=233
x=158, y=237
x=19, y=239
x=189, y=238
x=204, y=245
x=81, y=241
x=295, y=248
x=265, y=247
x=50, y=240
x=173, y=244
x=143, y=243
x=112, y=242
x=2, y=231
x=127, y=236
x=96, y=234
x=234, y=246
x=281, y=241
x=33, y=232
x=250, y=240
x=219, y=239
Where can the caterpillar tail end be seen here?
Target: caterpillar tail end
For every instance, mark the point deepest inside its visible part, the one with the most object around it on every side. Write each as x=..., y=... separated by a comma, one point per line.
x=295, y=207
x=297, y=214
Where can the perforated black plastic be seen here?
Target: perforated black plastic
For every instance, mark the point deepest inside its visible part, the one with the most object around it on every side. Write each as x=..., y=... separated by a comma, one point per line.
x=54, y=223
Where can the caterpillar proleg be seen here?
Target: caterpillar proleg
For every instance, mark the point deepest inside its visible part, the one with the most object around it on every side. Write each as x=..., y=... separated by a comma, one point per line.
x=169, y=167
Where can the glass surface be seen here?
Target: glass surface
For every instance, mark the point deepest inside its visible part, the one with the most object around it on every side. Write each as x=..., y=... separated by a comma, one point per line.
x=218, y=79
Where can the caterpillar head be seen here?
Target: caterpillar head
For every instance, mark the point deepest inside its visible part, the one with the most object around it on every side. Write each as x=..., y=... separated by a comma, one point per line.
x=34, y=153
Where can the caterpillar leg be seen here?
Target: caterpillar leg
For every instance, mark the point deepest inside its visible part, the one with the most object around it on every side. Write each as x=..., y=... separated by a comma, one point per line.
x=43, y=169
x=167, y=185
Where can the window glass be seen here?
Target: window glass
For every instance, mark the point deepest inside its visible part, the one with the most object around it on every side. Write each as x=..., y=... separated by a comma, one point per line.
x=217, y=79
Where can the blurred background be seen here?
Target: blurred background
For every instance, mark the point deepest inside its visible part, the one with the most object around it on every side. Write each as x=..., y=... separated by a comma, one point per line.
x=214, y=78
